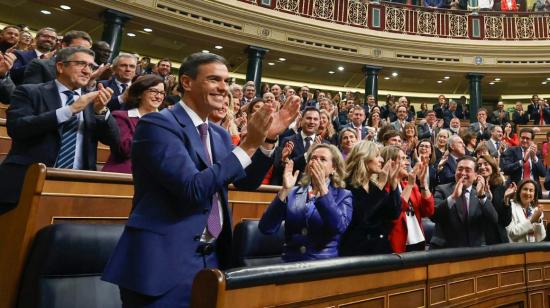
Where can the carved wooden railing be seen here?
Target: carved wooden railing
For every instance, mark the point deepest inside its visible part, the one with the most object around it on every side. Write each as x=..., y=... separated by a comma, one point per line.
x=415, y=20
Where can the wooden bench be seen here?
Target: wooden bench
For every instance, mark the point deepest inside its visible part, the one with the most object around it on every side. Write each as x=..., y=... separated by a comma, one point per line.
x=508, y=275
x=5, y=140
x=52, y=196
x=3, y=110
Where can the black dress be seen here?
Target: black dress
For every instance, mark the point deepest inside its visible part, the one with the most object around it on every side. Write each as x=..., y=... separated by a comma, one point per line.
x=496, y=233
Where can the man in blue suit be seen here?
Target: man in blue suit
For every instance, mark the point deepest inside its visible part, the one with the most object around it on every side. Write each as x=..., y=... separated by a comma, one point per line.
x=45, y=43
x=182, y=165
x=447, y=165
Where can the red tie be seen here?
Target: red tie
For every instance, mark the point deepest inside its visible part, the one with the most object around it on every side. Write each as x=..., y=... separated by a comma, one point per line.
x=526, y=170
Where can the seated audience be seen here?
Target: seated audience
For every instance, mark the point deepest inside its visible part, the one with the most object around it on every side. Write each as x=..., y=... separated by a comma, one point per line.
x=144, y=96
x=317, y=212
x=430, y=128
x=521, y=162
x=500, y=116
x=409, y=139
x=376, y=200
x=425, y=153
x=454, y=126
x=447, y=165
x=9, y=37
x=416, y=202
x=470, y=142
x=526, y=224
x=6, y=84
x=40, y=114
x=462, y=209
x=510, y=137
x=487, y=167
x=347, y=138
x=357, y=119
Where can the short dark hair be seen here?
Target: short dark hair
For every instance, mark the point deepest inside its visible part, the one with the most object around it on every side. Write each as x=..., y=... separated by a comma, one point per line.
x=165, y=60
x=65, y=54
x=75, y=34
x=135, y=91
x=520, y=186
x=389, y=134
x=467, y=157
x=527, y=130
x=430, y=111
x=311, y=108
x=190, y=65
x=11, y=26
x=250, y=106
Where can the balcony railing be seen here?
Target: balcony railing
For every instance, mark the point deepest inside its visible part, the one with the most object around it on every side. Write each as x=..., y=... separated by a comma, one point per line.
x=414, y=20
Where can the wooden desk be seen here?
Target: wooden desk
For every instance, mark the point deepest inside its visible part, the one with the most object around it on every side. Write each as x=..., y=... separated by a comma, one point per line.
x=5, y=140
x=57, y=195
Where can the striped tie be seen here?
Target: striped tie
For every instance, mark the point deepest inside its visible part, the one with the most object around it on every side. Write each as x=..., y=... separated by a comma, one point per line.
x=213, y=223
x=65, y=158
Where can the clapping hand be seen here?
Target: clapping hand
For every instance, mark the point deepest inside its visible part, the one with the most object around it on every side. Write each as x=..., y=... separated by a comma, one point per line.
x=6, y=62
x=480, y=186
x=318, y=177
x=282, y=119
x=287, y=149
x=289, y=180
x=457, y=192
x=509, y=193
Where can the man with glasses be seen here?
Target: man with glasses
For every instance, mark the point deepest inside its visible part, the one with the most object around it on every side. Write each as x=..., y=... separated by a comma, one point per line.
x=124, y=69
x=55, y=123
x=44, y=70
x=45, y=43
x=523, y=161
x=402, y=113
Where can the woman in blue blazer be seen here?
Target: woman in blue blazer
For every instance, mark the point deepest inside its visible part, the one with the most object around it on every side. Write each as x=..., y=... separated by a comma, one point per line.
x=317, y=212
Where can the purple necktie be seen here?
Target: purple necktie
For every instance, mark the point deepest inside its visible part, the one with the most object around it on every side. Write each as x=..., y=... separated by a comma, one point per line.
x=214, y=222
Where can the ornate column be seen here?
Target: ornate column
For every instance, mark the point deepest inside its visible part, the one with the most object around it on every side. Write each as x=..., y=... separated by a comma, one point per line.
x=113, y=27
x=254, y=68
x=371, y=80
x=475, y=94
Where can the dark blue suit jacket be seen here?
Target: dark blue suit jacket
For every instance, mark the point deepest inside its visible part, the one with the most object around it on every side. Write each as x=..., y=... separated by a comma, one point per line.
x=113, y=104
x=324, y=223
x=36, y=135
x=174, y=187
x=447, y=174
x=511, y=165
x=18, y=69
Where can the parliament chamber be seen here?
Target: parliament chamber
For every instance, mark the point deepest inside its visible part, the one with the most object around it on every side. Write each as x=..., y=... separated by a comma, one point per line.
x=55, y=243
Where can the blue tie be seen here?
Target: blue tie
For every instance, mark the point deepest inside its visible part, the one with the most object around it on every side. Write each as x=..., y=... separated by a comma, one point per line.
x=213, y=223
x=65, y=158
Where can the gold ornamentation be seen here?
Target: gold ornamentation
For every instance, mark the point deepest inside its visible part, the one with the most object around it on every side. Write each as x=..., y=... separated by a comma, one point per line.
x=493, y=27
x=427, y=23
x=395, y=19
x=323, y=9
x=458, y=25
x=357, y=13
x=288, y=5
x=525, y=28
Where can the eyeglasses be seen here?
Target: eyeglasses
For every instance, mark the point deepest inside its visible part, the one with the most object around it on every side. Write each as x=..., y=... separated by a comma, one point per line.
x=156, y=92
x=82, y=64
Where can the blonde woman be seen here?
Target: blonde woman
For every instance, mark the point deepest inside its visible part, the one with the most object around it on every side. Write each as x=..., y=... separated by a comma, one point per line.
x=376, y=200
x=316, y=212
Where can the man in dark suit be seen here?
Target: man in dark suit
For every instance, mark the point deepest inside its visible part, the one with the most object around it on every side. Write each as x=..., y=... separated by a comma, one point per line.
x=500, y=116
x=180, y=221
x=56, y=124
x=124, y=69
x=520, y=116
x=357, y=120
x=539, y=111
x=482, y=128
x=451, y=113
x=6, y=84
x=495, y=144
x=522, y=162
x=447, y=165
x=9, y=37
x=40, y=71
x=440, y=106
x=295, y=147
x=462, y=209
x=431, y=128
x=45, y=43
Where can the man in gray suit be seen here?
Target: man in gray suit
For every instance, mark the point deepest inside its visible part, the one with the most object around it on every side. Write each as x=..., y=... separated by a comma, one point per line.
x=399, y=124
x=495, y=143
x=462, y=209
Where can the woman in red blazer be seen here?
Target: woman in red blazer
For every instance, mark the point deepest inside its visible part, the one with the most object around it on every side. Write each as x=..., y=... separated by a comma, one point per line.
x=407, y=233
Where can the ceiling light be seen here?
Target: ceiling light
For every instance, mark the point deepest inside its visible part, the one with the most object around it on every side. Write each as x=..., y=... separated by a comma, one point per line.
x=46, y=12
x=394, y=74
x=492, y=83
x=439, y=81
x=130, y=34
x=271, y=63
x=331, y=72
x=218, y=47
x=446, y=77
x=544, y=82
x=65, y=7
x=340, y=68
x=147, y=29
x=497, y=79
x=548, y=78
x=205, y=51
x=386, y=78
x=282, y=59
